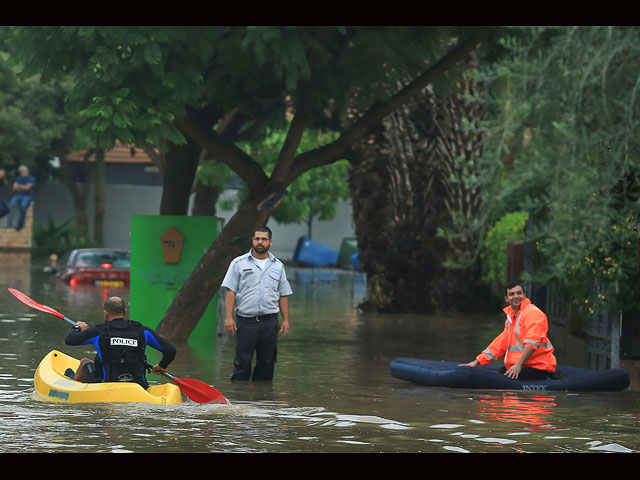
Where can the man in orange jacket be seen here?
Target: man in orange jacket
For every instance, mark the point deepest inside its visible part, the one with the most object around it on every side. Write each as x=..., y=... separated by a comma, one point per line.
x=528, y=353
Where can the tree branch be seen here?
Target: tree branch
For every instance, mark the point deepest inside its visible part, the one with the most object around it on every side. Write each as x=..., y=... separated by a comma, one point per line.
x=339, y=148
x=247, y=169
x=157, y=158
x=300, y=120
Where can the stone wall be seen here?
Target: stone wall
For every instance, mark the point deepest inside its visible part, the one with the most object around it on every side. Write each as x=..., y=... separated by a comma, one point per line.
x=17, y=240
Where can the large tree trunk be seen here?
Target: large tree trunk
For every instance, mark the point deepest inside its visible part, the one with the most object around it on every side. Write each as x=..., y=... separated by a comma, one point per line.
x=394, y=215
x=80, y=195
x=99, y=177
x=186, y=310
x=205, y=198
x=181, y=163
x=405, y=184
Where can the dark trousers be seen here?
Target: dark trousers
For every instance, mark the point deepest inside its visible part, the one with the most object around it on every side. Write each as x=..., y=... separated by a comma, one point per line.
x=4, y=208
x=260, y=336
x=23, y=202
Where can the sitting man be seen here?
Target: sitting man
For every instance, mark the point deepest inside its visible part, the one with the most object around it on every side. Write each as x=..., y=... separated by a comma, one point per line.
x=528, y=353
x=120, y=348
x=24, y=187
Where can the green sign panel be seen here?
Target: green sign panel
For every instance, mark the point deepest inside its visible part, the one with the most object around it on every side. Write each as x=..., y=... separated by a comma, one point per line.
x=164, y=251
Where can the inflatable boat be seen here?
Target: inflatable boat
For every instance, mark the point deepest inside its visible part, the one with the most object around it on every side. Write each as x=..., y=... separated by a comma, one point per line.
x=52, y=385
x=449, y=374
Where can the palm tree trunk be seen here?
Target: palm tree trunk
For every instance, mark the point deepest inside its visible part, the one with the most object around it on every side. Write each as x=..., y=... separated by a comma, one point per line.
x=406, y=183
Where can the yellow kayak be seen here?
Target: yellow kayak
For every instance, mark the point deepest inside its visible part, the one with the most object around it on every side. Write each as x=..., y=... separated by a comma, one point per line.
x=53, y=386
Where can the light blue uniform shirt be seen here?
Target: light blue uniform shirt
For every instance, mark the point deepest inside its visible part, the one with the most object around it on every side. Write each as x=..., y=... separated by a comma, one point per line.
x=257, y=291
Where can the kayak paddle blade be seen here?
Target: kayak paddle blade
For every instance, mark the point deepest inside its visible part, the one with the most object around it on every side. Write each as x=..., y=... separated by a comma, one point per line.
x=198, y=391
x=33, y=304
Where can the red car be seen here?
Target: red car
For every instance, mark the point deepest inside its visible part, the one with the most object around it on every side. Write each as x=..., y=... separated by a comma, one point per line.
x=102, y=267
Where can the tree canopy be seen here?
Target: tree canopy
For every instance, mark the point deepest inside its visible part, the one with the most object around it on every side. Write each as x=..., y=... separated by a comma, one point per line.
x=216, y=86
x=134, y=82
x=564, y=148
x=32, y=117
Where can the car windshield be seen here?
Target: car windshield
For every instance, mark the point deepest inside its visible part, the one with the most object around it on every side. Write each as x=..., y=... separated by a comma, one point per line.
x=96, y=259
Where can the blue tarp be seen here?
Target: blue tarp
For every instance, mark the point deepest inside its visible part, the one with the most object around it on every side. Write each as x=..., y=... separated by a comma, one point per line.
x=313, y=254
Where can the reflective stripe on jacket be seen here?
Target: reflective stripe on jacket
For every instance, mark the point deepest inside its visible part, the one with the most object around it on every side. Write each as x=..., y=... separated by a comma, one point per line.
x=528, y=330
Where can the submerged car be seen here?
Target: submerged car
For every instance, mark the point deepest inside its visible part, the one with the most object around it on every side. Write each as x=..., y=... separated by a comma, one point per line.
x=103, y=267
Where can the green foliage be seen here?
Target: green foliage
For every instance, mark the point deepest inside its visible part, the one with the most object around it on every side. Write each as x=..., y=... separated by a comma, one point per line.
x=131, y=82
x=281, y=47
x=494, y=256
x=36, y=124
x=29, y=120
x=315, y=194
x=114, y=68
x=212, y=174
x=58, y=237
x=564, y=147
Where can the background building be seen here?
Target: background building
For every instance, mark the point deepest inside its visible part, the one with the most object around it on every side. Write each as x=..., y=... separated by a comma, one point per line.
x=134, y=187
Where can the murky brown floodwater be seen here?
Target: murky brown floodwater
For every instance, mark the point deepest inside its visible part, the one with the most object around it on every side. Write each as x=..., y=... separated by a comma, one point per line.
x=332, y=391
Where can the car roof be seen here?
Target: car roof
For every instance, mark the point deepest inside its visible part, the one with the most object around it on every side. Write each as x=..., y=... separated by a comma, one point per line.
x=100, y=250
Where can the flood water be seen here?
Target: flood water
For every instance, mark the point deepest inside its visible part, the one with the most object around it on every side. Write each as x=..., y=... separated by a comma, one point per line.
x=332, y=391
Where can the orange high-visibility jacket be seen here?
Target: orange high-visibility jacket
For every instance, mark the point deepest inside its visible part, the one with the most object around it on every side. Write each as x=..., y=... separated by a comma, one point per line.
x=527, y=330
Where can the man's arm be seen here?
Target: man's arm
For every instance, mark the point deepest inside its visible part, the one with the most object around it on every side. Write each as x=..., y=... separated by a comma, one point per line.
x=159, y=343
x=515, y=369
x=229, y=303
x=495, y=350
x=534, y=329
x=27, y=186
x=284, y=309
x=81, y=334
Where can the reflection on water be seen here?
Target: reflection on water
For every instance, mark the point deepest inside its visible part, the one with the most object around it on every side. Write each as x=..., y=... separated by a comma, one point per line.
x=332, y=391
x=16, y=270
x=536, y=411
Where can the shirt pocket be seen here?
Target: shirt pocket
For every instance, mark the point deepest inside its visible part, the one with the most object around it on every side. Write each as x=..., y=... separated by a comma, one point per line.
x=274, y=278
x=246, y=277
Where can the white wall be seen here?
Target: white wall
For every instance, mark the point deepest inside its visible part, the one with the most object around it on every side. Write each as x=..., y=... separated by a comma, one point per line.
x=123, y=201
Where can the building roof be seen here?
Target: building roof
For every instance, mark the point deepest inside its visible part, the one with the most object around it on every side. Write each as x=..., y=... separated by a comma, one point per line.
x=118, y=154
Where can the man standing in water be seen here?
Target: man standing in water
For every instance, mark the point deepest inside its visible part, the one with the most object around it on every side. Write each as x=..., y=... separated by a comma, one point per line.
x=528, y=353
x=257, y=287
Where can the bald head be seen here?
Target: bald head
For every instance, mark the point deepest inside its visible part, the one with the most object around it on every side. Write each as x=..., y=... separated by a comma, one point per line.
x=115, y=307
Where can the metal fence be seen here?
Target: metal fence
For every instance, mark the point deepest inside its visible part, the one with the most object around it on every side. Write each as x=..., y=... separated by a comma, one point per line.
x=10, y=220
x=603, y=332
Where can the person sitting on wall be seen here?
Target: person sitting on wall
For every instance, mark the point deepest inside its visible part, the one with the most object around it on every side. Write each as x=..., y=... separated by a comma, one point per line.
x=23, y=186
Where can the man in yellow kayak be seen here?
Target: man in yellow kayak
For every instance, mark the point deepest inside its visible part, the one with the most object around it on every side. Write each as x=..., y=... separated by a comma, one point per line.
x=120, y=348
